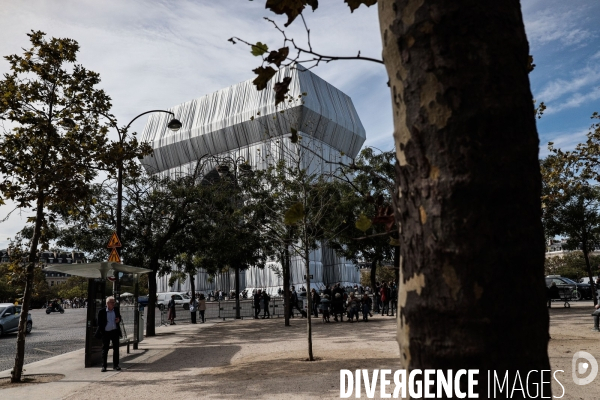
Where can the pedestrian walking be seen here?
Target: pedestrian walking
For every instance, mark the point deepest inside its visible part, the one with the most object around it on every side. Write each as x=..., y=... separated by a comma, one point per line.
x=201, y=306
x=257, y=298
x=294, y=303
x=171, y=314
x=266, y=299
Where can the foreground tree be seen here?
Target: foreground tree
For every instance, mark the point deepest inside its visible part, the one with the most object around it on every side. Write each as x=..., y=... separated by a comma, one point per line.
x=52, y=154
x=468, y=181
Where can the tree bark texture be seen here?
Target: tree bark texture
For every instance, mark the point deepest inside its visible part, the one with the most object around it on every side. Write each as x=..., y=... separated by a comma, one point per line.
x=150, y=328
x=588, y=269
x=468, y=186
x=31, y=262
x=285, y=264
x=237, y=291
x=308, y=301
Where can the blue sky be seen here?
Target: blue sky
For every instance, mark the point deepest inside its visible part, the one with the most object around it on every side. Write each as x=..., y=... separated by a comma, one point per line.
x=155, y=54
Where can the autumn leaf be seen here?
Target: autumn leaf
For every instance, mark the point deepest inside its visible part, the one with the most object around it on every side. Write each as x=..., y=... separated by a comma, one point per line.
x=363, y=223
x=354, y=4
x=281, y=88
x=294, y=214
x=279, y=56
x=291, y=8
x=259, y=49
x=264, y=75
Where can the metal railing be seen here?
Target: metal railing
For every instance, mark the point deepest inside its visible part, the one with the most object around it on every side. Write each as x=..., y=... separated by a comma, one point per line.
x=226, y=310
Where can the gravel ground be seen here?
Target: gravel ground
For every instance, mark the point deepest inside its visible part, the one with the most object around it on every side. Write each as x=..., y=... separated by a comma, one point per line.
x=255, y=360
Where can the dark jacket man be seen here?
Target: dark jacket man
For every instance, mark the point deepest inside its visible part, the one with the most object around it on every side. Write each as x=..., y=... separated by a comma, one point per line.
x=109, y=331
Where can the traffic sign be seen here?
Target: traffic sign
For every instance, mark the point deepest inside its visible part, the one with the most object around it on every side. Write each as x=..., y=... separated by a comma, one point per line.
x=114, y=241
x=114, y=256
x=111, y=278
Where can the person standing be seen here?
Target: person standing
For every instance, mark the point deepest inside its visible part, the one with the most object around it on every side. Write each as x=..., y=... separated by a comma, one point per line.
x=294, y=302
x=193, y=308
x=393, y=298
x=337, y=306
x=316, y=300
x=109, y=331
x=324, y=307
x=266, y=299
x=596, y=315
x=385, y=298
x=171, y=313
x=257, y=298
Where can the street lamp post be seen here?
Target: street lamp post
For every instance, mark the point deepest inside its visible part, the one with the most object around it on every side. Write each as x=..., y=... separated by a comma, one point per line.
x=173, y=125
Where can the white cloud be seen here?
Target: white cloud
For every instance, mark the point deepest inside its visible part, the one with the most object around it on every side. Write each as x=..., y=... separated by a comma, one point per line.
x=583, y=78
x=546, y=23
x=563, y=140
x=574, y=101
x=153, y=54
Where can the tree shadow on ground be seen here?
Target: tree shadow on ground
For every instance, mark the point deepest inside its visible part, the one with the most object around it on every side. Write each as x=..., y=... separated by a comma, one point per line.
x=210, y=362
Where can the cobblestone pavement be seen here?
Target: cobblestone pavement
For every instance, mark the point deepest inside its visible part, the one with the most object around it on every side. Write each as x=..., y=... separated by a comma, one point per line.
x=52, y=334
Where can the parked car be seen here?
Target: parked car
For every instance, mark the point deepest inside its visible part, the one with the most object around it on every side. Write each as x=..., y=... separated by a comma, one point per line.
x=587, y=279
x=9, y=318
x=181, y=298
x=581, y=290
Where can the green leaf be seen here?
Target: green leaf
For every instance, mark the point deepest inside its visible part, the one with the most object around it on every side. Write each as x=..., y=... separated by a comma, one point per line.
x=294, y=214
x=363, y=223
x=294, y=137
x=264, y=76
x=259, y=49
x=354, y=4
x=394, y=242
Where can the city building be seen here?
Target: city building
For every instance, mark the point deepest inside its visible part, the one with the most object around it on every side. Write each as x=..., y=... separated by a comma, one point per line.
x=240, y=121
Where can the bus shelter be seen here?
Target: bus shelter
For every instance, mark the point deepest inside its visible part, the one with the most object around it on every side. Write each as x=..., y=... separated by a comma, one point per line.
x=97, y=275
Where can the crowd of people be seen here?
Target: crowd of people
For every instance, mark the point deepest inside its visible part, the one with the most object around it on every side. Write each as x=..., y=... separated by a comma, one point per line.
x=336, y=302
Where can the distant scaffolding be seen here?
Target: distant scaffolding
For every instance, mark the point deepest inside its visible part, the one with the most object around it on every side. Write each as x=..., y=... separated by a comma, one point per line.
x=238, y=121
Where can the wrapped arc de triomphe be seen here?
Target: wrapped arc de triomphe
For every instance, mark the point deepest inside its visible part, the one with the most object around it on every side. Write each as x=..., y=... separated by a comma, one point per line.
x=238, y=121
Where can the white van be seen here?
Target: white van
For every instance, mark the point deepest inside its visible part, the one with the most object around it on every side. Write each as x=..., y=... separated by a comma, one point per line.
x=181, y=298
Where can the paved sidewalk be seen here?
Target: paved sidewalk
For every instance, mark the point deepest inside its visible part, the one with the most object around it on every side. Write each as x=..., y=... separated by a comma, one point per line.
x=224, y=360
x=71, y=365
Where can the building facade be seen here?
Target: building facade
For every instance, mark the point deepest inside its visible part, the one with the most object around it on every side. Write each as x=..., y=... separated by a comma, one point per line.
x=241, y=122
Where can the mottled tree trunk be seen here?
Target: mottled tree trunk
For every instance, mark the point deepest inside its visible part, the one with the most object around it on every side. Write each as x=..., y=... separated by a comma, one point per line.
x=469, y=185
x=285, y=265
x=308, y=300
x=588, y=269
x=31, y=262
x=150, y=328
